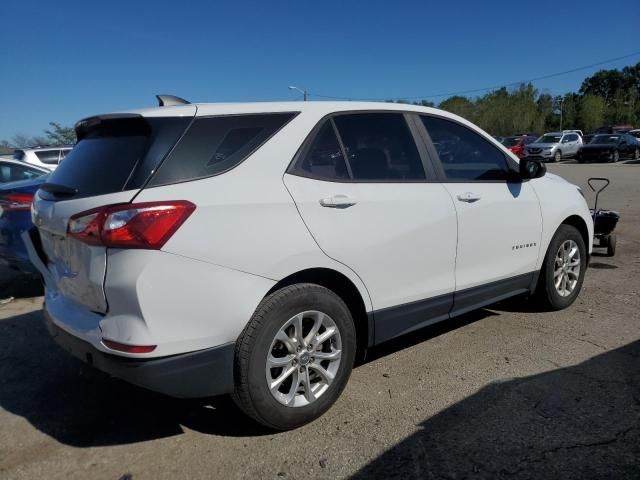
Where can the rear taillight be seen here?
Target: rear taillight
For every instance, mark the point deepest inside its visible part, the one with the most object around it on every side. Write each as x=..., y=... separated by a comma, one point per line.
x=135, y=225
x=16, y=202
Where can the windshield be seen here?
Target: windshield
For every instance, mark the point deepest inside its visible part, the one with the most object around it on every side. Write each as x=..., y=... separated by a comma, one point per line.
x=605, y=139
x=549, y=139
x=510, y=141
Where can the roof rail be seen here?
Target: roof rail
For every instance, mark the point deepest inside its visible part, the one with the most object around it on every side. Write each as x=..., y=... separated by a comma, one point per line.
x=45, y=145
x=170, y=100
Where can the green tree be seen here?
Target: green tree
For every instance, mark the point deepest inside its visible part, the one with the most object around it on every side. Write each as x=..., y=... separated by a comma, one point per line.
x=459, y=106
x=592, y=110
x=59, y=135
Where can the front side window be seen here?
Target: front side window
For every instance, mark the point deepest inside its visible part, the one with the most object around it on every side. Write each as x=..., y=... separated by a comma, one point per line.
x=606, y=139
x=379, y=146
x=464, y=154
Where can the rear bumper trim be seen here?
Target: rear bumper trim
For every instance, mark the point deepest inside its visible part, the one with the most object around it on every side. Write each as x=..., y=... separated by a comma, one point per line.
x=197, y=374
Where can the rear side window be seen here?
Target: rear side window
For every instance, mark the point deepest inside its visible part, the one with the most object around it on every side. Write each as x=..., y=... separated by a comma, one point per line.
x=379, y=147
x=465, y=155
x=18, y=155
x=50, y=157
x=213, y=145
x=12, y=173
x=323, y=158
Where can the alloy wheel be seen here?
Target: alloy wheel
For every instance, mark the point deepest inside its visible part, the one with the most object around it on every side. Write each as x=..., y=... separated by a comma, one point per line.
x=567, y=268
x=303, y=359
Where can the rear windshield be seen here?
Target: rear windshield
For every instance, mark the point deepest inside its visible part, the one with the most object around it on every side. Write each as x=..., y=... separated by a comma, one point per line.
x=510, y=141
x=113, y=155
x=18, y=154
x=213, y=145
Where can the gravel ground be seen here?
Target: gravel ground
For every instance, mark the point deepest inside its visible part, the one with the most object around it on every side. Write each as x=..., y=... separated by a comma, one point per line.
x=502, y=392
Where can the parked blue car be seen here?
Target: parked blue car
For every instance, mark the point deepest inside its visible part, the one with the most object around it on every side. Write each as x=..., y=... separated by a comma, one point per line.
x=15, y=218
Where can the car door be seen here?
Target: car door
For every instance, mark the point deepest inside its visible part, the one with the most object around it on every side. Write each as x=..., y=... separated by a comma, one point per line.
x=368, y=196
x=575, y=143
x=499, y=218
x=627, y=146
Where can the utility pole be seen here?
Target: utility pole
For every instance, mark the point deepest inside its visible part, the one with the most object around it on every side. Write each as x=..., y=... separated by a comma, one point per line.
x=303, y=92
x=561, y=104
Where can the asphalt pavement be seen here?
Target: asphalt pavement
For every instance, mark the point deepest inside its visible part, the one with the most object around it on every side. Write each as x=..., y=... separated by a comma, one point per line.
x=505, y=392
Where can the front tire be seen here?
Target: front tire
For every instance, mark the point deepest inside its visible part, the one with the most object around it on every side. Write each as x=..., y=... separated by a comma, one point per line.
x=294, y=357
x=557, y=156
x=563, y=270
x=616, y=156
x=636, y=154
x=612, y=241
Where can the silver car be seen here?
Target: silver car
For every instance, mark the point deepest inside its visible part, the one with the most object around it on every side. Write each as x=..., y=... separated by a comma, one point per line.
x=554, y=146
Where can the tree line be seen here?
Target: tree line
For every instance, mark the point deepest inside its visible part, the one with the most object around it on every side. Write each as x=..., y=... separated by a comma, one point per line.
x=609, y=97
x=55, y=135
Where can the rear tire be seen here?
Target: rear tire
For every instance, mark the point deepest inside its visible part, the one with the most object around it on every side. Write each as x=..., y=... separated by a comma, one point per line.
x=616, y=156
x=636, y=154
x=272, y=338
x=549, y=295
x=612, y=241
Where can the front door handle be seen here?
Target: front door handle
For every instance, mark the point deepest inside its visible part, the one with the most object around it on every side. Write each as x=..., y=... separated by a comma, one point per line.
x=338, y=201
x=469, y=197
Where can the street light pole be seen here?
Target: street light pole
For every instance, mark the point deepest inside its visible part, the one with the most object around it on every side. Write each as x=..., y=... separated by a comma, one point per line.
x=303, y=92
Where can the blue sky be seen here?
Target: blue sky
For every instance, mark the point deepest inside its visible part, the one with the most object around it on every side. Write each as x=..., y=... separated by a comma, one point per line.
x=65, y=60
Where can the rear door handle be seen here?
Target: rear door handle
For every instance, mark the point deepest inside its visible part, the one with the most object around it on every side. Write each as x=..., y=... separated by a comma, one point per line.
x=469, y=197
x=338, y=201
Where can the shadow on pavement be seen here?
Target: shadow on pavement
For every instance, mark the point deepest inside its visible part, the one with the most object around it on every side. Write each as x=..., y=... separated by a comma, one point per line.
x=19, y=285
x=576, y=422
x=79, y=406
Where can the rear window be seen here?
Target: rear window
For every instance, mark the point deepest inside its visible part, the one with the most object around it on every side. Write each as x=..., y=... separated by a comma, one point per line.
x=213, y=145
x=18, y=155
x=114, y=154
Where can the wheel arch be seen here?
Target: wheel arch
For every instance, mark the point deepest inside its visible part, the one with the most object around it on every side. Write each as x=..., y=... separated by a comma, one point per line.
x=578, y=222
x=342, y=286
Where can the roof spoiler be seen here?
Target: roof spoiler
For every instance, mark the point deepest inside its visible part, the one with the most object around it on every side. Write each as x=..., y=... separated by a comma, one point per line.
x=170, y=100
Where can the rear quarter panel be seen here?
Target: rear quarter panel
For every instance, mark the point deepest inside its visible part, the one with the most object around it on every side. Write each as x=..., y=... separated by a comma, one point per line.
x=246, y=220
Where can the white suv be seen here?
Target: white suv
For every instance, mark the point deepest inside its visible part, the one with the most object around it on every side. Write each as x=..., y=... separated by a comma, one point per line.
x=46, y=157
x=251, y=249
x=555, y=146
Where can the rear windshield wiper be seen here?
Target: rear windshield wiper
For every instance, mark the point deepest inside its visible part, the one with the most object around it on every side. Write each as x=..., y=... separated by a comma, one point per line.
x=58, y=190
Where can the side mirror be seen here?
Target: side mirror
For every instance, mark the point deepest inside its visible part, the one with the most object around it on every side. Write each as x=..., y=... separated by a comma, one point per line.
x=531, y=168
